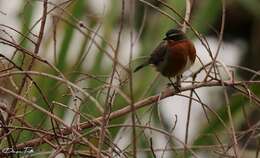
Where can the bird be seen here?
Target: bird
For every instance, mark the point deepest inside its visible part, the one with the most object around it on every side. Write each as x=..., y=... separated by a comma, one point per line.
x=174, y=55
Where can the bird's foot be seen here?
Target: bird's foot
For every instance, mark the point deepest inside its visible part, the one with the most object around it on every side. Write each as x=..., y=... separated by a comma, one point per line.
x=176, y=86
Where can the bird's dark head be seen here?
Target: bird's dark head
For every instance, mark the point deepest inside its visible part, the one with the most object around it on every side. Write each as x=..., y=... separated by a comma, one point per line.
x=174, y=34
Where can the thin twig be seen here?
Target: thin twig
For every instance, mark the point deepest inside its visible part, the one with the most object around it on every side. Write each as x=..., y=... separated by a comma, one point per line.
x=110, y=93
x=132, y=41
x=188, y=118
x=187, y=15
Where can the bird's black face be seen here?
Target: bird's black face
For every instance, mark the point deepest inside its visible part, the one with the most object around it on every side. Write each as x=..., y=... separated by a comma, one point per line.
x=174, y=34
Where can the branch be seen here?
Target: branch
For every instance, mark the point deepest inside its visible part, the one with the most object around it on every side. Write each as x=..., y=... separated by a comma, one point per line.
x=142, y=103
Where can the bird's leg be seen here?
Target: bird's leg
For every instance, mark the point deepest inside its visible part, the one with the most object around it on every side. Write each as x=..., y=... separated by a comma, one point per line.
x=175, y=85
x=178, y=80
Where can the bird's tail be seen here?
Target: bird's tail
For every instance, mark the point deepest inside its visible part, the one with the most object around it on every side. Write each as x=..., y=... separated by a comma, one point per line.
x=141, y=66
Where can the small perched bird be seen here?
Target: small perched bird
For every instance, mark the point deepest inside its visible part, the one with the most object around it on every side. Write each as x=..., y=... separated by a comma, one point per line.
x=174, y=55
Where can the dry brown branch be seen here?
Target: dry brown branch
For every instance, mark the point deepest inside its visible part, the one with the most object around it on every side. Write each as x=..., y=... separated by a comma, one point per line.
x=142, y=103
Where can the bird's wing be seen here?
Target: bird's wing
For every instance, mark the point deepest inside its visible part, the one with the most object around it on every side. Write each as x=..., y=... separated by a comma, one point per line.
x=158, y=54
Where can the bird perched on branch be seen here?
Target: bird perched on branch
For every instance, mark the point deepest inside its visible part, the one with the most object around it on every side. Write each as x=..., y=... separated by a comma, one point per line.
x=174, y=55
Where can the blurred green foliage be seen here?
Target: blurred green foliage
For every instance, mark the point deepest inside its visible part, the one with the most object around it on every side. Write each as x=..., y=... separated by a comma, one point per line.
x=154, y=24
